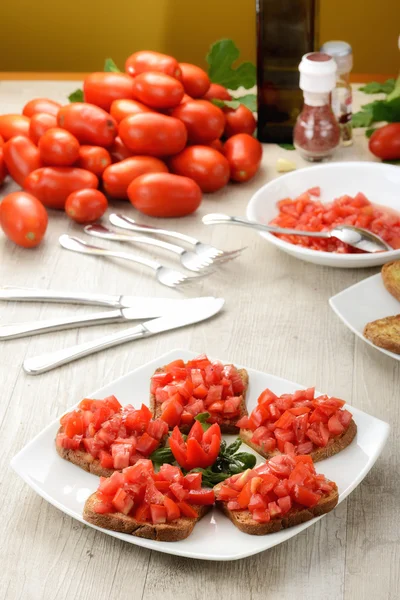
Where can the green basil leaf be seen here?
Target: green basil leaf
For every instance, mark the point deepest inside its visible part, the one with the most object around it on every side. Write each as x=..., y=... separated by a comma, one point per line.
x=76, y=96
x=220, y=58
x=202, y=418
x=287, y=146
x=374, y=87
x=110, y=66
x=162, y=456
x=234, y=447
x=370, y=131
x=387, y=110
x=362, y=118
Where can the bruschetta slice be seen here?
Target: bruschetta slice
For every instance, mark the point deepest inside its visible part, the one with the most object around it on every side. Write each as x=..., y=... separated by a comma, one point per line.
x=180, y=391
x=298, y=423
x=281, y=493
x=101, y=436
x=163, y=506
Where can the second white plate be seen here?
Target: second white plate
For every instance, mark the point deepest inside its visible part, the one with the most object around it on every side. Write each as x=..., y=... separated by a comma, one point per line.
x=214, y=538
x=363, y=302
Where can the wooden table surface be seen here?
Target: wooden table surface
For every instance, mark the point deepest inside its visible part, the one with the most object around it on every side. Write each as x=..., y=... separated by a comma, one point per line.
x=277, y=319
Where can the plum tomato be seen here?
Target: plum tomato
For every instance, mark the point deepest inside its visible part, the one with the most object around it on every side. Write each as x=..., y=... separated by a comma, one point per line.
x=217, y=91
x=21, y=157
x=102, y=89
x=11, y=125
x=153, y=134
x=117, y=177
x=146, y=60
x=385, y=142
x=86, y=206
x=164, y=195
x=23, y=219
x=53, y=185
x=3, y=168
x=158, y=90
x=240, y=120
x=244, y=155
x=40, y=123
x=204, y=121
x=206, y=166
x=58, y=148
x=123, y=108
x=90, y=124
x=118, y=151
x=195, y=81
x=41, y=105
x=94, y=159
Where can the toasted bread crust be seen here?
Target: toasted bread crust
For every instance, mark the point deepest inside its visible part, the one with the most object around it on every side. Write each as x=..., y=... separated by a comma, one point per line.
x=391, y=278
x=334, y=446
x=227, y=425
x=243, y=520
x=163, y=532
x=385, y=333
x=84, y=460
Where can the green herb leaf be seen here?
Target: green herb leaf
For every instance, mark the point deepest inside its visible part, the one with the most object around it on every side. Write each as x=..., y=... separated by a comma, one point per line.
x=387, y=110
x=162, y=456
x=234, y=447
x=362, y=118
x=287, y=146
x=370, y=131
x=202, y=418
x=76, y=96
x=209, y=478
x=375, y=87
x=396, y=90
x=110, y=66
x=220, y=58
x=249, y=100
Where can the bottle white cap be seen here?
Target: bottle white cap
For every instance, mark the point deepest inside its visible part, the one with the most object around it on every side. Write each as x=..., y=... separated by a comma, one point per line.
x=317, y=73
x=341, y=52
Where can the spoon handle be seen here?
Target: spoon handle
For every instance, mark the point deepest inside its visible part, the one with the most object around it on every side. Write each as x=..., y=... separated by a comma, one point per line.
x=126, y=237
x=128, y=223
x=220, y=219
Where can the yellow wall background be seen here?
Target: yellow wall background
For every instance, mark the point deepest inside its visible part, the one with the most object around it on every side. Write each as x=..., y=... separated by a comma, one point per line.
x=76, y=35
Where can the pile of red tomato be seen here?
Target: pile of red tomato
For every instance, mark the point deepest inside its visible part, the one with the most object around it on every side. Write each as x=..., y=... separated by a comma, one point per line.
x=151, y=135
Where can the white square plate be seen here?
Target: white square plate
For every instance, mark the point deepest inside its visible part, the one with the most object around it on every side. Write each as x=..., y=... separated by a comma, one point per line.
x=214, y=537
x=363, y=302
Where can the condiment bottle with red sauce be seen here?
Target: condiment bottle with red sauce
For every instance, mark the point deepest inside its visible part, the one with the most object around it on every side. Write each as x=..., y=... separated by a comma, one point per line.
x=317, y=134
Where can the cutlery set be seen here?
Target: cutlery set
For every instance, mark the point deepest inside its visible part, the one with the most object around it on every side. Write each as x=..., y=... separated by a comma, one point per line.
x=198, y=260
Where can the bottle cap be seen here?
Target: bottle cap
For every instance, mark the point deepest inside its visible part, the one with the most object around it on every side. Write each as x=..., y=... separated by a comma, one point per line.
x=317, y=73
x=341, y=52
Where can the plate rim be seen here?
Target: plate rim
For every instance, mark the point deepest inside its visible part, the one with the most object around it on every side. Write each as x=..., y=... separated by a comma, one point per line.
x=148, y=544
x=335, y=309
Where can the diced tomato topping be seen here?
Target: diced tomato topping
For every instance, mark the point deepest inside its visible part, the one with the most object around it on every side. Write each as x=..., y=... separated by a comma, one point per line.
x=192, y=481
x=305, y=496
x=158, y=514
x=179, y=491
x=142, y=513
x=63, y=441
x=106, y=460
x=172, y=474
x=261, y=516
x=172, y=413
x=146, y=444
x=202, y=496
x=285, y=504
x=226, y=493
x=187, y=510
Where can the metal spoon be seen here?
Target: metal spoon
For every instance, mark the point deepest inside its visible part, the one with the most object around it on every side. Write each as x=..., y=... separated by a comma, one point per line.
x=353, y=236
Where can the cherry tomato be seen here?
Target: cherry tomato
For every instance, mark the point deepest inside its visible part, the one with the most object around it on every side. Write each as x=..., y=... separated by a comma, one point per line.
x=23, y=219
x=123, y=108
x=40, y=123
x=164, y=195
x=204, y=121
x=94, y=159
x=240, y=120
x=102, y=89
x=153, y=134
x=145, y=60
x=58, y=148
x=86, y=206
x=118, y=151
x=158, y=90
x=217, y=91
x=244, y=155
x=11, y=125
x=195, y=81
x=90, y=124
x=385, y=142
x=206, y=166
x=21, y=157
x=41, y=105
x=53, y=185
x=3, y=168
x=117, y=177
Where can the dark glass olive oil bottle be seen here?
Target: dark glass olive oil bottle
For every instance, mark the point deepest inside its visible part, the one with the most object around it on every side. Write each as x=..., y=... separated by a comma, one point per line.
x=286, y=29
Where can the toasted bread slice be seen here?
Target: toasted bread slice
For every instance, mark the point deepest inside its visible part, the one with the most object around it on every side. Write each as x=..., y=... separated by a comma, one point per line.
x=385, y=333
x=391, y=278
x=84, y=460
x=227, y=425
x=334, y=446
x=243, y=520
x=163, y=532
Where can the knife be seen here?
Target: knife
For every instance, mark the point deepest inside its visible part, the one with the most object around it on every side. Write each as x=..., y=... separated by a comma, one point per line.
x=145, y=307
x=156, y=308
x=192, y=311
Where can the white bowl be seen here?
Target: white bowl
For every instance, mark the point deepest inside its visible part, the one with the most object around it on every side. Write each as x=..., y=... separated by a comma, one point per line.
x=379, y=182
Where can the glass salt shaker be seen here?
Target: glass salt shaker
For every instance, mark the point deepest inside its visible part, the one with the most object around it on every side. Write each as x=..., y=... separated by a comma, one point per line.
x=317, y=134
x=341, y=100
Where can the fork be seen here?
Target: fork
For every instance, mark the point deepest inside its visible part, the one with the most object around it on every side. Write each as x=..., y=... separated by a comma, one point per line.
x=203, y=250
x=190, y=260
x=164, y=275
